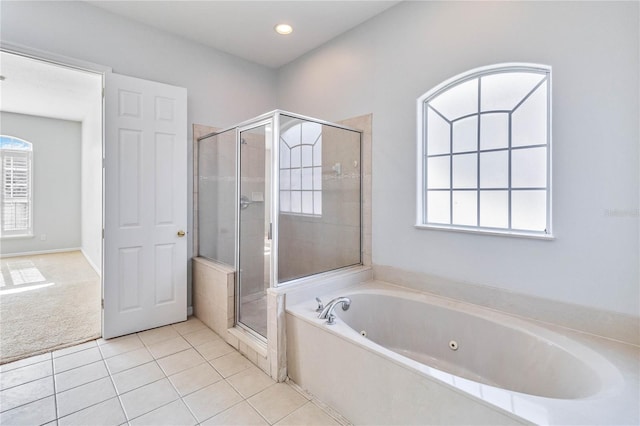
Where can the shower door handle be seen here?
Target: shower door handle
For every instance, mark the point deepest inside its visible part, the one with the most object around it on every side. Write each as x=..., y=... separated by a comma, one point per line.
x=244, y=202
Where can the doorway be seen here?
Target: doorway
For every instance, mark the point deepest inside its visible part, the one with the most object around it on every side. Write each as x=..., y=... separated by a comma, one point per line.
x=51, y=236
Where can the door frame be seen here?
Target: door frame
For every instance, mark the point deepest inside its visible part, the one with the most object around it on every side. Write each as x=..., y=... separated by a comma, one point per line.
x=80, y=65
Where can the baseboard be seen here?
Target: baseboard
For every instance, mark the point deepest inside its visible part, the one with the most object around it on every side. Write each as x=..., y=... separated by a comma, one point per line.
x=93, y=265
x=33, y=253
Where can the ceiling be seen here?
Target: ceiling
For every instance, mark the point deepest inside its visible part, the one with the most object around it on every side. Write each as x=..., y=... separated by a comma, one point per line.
x=39, y=88
x=241, y=28
x=246, y=28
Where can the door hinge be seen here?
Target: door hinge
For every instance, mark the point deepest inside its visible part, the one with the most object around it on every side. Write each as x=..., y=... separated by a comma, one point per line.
x=103, y=233
x=103, y=92
x=102, y=303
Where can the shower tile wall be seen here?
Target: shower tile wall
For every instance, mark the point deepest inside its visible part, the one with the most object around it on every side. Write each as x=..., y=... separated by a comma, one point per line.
x=311, y=244
x=365, y=124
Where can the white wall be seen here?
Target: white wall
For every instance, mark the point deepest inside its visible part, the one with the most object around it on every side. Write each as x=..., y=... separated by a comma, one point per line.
x=386, y=63
x=222, y=89
x=56, y=182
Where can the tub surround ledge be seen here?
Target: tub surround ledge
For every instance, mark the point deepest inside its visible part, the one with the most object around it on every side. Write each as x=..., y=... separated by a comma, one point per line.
x=610, y=325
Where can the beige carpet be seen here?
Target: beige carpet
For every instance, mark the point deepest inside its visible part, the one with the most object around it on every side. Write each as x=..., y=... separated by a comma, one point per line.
x=47, y=302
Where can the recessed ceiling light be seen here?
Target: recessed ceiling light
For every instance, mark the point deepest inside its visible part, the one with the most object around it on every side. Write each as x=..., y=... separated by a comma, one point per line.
x=284, y=29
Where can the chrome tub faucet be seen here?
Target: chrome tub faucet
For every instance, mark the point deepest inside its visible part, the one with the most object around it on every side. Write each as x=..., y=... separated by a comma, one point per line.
x=327, y=311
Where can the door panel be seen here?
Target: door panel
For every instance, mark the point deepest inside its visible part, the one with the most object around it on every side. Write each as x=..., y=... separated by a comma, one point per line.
x=145, y=258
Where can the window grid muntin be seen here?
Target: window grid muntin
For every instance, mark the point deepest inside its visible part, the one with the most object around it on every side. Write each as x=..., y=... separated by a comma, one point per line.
x=545, y=78
x=11, y=199
x=315, y=192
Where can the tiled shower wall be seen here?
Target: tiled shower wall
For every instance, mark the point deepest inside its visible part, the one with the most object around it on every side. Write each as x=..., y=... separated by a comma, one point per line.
x=311, y=244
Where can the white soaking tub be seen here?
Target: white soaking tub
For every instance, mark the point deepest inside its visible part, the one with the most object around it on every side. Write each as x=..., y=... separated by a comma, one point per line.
x=404, y=357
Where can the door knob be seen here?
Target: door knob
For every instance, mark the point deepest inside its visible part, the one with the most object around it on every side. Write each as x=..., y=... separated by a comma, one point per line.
x=181, y=233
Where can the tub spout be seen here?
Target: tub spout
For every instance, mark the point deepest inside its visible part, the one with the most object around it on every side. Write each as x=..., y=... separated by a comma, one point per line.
x=327, y=312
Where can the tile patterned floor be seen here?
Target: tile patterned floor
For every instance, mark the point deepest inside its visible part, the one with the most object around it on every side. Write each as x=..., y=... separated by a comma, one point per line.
x=181, y=374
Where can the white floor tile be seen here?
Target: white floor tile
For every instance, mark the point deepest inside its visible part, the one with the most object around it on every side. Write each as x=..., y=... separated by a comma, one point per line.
x=230, y=364
x=156, y=335
x=83, y=396
x=107, y=413
x=35, y=413
x=308, y=414
x=181, y=361
x=136, y=377
x=189, y=326
x=212, y=400
x=120, y=345
x=201, y=337
x=241, y=414
x=250, y=381
x=25, y=361
x=168, y=347
x=76, y=359
x=75, y=348
x=174, y=413
x=24, y=394
x=213, y=350
x=194, y=378
x=85, y=376
x=25, y=374
x=277, y=402
x=81, y=375
x=147, y=398
x=128, y=360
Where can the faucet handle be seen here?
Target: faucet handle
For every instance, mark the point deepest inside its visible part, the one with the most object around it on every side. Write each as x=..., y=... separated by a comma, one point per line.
x=320, y=305
x=331, y=319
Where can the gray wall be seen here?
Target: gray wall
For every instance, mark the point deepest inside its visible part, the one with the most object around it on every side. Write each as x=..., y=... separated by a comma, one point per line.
x=381, y=67
x=386, y=63
x=222, y=89
x=56, y=182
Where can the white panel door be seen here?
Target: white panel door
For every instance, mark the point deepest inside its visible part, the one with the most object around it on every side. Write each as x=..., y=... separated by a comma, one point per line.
x=145, y=247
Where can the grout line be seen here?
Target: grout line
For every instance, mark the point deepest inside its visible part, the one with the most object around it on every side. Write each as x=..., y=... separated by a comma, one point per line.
x=28, y=381
x=259, y=413
x=308, y=397
x=88, y=406
x=81, y=384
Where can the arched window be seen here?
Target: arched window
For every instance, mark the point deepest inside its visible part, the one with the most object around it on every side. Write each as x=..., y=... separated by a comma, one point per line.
x=484, y=151
x=16, y=206
x=301, y=169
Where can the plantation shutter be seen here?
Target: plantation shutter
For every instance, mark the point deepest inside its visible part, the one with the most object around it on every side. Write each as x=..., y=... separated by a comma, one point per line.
x=16, y=192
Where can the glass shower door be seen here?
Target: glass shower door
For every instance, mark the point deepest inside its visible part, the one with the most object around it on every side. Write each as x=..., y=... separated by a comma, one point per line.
x=254, y=256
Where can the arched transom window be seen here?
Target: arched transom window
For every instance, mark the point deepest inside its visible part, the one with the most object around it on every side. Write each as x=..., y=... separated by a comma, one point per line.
x=15, y=206
x=484, y=152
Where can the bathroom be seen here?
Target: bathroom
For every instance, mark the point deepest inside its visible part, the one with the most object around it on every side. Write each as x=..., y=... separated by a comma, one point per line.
x=586, y=278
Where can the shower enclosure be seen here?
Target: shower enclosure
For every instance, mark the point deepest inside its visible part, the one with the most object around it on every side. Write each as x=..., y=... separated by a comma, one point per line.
x=279, y=199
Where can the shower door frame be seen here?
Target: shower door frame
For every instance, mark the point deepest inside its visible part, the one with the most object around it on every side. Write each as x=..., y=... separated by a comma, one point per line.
x=273, y=118
x=262, y=120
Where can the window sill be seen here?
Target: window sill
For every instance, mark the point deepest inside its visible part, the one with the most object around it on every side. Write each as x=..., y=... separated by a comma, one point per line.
x=498, y=233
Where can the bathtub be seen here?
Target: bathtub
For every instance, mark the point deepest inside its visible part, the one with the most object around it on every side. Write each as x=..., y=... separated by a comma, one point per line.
x=402, y=357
